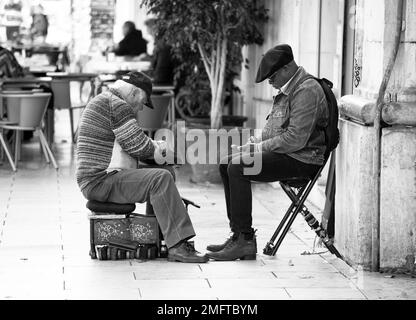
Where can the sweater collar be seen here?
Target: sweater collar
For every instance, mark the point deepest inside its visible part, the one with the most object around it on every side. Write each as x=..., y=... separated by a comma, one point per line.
x=116, y=93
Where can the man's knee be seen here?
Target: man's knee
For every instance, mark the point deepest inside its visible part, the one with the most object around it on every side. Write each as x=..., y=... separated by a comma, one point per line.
x=171, y=170
x=162, y=178
x=223, y=169
x=235, y=170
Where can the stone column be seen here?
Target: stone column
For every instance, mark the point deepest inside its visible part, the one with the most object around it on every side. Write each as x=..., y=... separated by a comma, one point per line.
x=355, y=177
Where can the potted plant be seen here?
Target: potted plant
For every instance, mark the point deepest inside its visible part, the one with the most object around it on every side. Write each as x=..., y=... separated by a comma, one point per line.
x=193, y=100
x=211, y=33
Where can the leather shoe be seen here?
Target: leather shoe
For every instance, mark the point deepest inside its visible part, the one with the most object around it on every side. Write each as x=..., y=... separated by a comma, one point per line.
x=186, y=253
x=219, y=247
x=241, y=247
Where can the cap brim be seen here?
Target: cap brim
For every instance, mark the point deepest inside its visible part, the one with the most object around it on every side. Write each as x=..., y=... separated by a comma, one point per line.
x=262, y=75
x=149, y=103
x=261, y=78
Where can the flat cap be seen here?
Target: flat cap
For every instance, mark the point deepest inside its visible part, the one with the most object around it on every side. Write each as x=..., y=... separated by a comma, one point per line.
x=274, y=60
x=142, y=81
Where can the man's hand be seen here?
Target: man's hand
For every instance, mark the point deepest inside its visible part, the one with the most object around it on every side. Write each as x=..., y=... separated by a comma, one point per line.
x=253, y=139
x=249, y=148
x=161, y=148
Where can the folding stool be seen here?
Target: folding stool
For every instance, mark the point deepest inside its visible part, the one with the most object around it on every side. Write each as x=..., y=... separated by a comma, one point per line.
x=298, y=191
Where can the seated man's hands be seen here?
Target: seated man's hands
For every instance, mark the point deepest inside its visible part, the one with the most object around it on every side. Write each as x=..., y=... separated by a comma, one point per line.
x=164, y=153
x=250, y=148
x=253, y=139
x=161, y=148
x=253, y=145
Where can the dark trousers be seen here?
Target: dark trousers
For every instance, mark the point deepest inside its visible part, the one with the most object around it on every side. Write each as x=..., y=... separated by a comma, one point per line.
x=237, y=182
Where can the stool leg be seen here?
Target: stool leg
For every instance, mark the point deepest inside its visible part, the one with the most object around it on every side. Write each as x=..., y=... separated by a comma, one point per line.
x=286, y=230
x=270, y=248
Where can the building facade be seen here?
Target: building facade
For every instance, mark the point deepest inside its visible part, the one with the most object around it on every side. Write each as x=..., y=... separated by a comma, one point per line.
x=349, y=42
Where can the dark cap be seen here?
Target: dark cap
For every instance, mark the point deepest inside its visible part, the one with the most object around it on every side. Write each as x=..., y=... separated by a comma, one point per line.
x=142, y=81
x=274, y=60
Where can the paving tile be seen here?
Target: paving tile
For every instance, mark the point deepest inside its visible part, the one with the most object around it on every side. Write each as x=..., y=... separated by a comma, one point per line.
x=325, y=294
x=86, y=277
x=253, y=294
x=294, y=281
x=34, y=258
x=169, y=274
x=30, y=283
x=390, y=294
x=46, y=294
x=195, y=293
x=230, y=274
x=173, y=283
x=101, y=293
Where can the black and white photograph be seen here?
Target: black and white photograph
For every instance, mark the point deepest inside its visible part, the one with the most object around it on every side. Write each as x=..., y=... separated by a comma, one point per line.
x=207, y=157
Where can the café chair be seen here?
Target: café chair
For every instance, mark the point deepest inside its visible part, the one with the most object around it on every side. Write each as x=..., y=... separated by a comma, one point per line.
x=26, y=112
x=62, y=100
x=4, y=147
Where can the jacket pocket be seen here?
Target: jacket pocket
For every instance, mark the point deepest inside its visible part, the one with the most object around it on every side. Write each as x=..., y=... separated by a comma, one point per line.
x=278, y=117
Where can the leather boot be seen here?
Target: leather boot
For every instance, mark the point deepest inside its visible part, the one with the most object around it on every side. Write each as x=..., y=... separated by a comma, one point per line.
x=241, y=247
x=219, y=247
x=185, y=252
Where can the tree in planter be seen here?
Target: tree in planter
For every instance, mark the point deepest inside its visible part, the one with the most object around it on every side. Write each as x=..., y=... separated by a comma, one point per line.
x=216, y=29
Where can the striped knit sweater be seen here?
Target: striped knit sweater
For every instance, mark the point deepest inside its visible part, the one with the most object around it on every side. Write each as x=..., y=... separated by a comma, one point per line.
x=107, y=118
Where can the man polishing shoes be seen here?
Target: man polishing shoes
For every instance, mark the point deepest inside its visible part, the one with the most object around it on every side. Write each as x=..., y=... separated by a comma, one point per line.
x=111, y=117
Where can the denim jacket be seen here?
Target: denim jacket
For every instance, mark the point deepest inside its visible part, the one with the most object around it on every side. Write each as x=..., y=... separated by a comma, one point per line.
x=295, y=123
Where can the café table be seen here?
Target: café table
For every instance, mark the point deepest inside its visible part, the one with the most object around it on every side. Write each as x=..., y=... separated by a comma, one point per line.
x=33, y=81
x=24, y=82
x=99, y=66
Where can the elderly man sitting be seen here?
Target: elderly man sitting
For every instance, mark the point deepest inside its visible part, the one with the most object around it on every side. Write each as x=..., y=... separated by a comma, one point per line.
x=292, y=145
x=110, y=118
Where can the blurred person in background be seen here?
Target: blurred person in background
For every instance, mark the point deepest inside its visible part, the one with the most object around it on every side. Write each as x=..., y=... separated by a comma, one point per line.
x=9, y=66
x=40, y=24
x=133, y=44
x=162, y=62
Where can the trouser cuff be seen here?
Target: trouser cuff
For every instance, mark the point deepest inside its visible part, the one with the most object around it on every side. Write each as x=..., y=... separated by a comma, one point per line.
x=173, y=239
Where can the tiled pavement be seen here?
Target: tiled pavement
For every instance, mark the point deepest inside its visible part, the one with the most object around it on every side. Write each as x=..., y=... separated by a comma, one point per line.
x=44, y=248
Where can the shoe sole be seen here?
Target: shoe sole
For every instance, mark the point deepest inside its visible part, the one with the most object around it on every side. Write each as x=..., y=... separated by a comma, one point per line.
x=214, y=251
x=245, y=258
x=173, y=259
